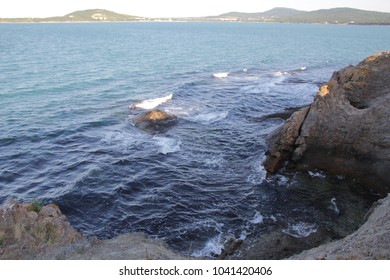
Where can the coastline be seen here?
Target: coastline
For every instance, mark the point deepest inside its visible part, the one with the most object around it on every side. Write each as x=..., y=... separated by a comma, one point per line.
x=370, y=241
x=34, y=217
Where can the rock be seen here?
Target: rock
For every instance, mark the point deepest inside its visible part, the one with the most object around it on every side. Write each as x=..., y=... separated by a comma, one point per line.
x=155, y=121
x=25, y=234
x=345, y=131
x=370, y=241
x=284, y=115
x=274, y=245
x=130, y=246
x=281, y=148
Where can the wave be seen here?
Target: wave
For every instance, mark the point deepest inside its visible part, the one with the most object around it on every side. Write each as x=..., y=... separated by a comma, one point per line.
x=126, y=141
x=213, y=247
x=221, y=75
x=280, y=73
x=167, y=145
x=300, y=229
x=333, y=206
x=318, y=174
x=151, y=103
x=257, y=219
x=208, y=118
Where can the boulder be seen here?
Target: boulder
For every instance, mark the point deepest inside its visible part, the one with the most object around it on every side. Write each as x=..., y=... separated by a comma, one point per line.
x=345, y=131
x=155, y=121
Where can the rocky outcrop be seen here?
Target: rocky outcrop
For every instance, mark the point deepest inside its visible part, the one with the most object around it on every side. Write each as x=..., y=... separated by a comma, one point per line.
x=130, y=246
x=370, y=241
x=155, y=121
x=27, y=230
x=345, y=131
x=33, y=231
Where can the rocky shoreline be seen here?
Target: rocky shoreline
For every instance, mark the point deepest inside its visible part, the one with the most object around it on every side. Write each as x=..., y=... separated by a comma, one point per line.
x=345, y=131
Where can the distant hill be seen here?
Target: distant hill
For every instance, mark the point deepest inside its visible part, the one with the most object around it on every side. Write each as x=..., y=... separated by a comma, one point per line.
x=341, y=16
x=287, y=15
x=97, y=15
x=93, y=15
x=273, y=13
x=335, y=15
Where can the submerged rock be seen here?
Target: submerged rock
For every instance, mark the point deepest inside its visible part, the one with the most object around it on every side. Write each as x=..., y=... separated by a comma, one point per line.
x=345, y=131
x=155, y=121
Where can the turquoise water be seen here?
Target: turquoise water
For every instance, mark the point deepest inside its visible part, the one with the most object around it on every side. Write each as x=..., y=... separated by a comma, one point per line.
x=67, y=134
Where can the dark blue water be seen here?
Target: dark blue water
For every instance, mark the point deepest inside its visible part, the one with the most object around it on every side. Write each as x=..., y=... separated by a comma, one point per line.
x=67, y=134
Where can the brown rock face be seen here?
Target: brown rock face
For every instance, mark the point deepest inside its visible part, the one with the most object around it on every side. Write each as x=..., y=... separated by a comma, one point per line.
x=155, y=121
x=346, y=130
x=27, y=230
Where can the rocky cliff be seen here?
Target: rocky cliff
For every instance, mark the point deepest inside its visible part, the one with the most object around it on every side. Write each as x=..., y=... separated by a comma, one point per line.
x=345, y=131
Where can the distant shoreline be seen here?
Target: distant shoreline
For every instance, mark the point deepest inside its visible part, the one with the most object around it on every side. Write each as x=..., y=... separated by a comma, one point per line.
x=335, y=16
x=188, y=21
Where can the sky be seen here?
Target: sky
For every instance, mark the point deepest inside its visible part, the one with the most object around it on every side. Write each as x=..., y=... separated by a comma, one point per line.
x=175, y=8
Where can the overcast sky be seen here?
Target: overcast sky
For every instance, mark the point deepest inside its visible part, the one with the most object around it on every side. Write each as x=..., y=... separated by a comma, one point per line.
x=175, y=8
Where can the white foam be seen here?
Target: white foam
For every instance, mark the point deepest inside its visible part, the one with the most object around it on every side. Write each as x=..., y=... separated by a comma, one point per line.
x=214, y=161
x=213, y=247
x=167, y=145
x=243, y=235
x=257, y=219
x=123, y=140
x=317, y=174
x=151, y=103
x=258, y=174
x=211, y=117
x=245, y=70
x=303, y=68
x=333, y=206
x=280, y=73
x=221, y=75
x=300, y=229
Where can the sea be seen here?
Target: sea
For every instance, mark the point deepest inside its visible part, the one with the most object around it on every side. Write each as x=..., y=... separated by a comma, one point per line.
x=68, y=137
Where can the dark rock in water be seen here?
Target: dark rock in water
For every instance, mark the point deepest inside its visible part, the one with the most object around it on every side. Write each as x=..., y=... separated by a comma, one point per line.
x=274, y=246
x=284, y=115
x=155, y=121
x=345, y=131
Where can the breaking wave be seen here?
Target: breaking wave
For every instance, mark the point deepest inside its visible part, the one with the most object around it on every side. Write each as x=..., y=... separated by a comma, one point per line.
x=221, y=75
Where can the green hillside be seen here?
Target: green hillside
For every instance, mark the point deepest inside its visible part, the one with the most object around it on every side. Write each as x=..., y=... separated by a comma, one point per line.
x=341, y=16
x=273, y=13
x=93, y=15
x=336, y=15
